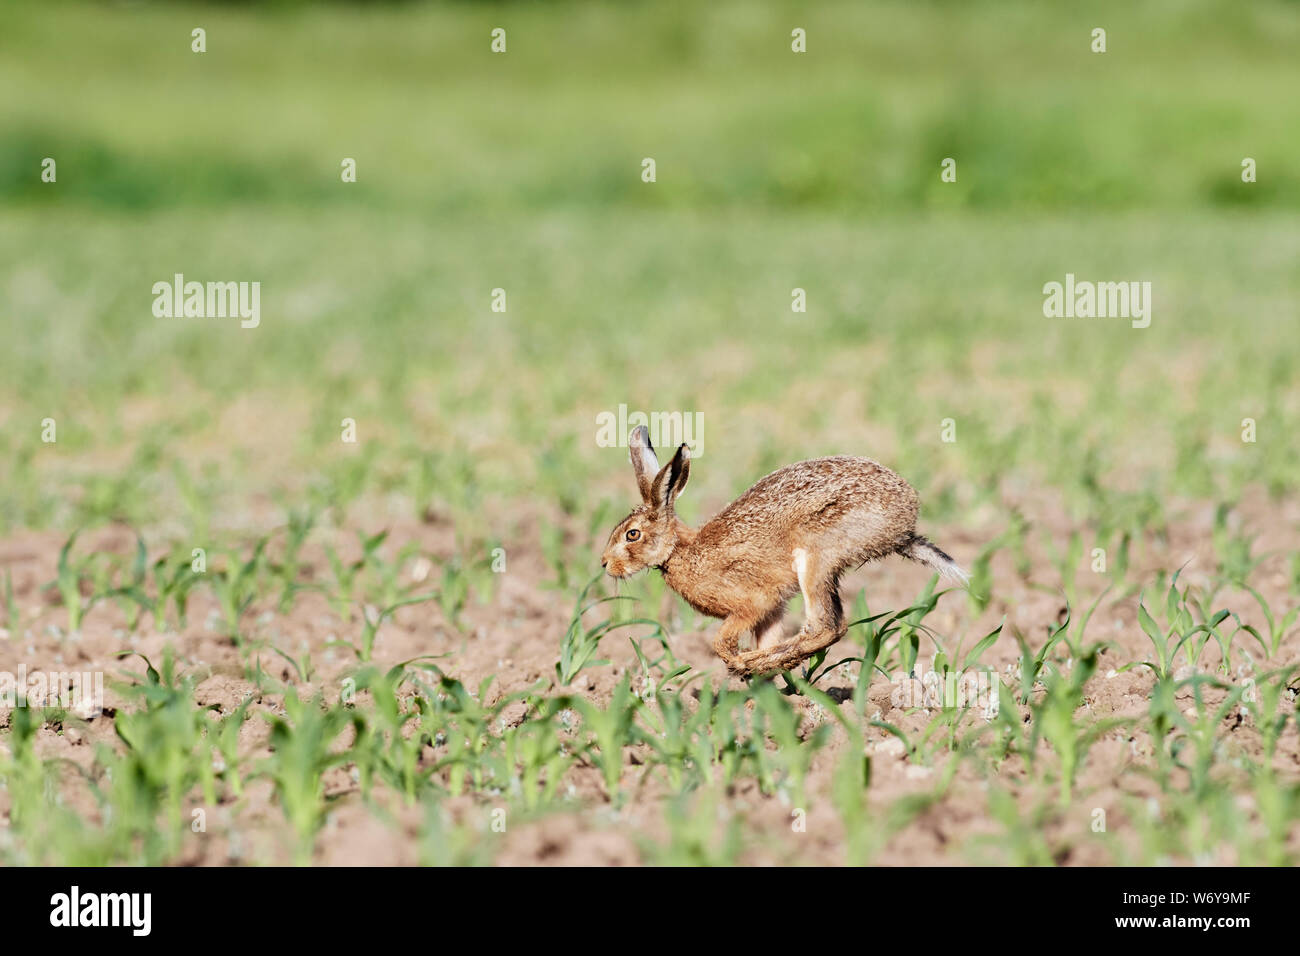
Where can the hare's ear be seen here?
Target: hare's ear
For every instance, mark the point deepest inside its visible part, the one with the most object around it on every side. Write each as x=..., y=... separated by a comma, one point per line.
x=671, y=480
x=644, y=462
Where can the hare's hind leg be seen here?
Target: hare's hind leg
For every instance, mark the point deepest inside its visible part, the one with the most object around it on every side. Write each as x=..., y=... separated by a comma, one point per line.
x=823, y=623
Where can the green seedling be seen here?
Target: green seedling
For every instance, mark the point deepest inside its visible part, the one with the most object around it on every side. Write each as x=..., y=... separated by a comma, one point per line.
x=1053, y=719
x=1175, y=635
x=235, y=588
x=1033, y=664
x=612, y=728
x=343, y=593
x=700, y=833
x=69, y=580
x=304, y=744
x=580, y=643
x=1277, y=627
x=1200, y=736
x=1233, y=548
x=287, y=570
x=373, y=620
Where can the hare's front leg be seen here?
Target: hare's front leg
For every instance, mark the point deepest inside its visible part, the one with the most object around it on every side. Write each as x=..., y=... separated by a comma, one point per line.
x=823, y=623
x=726, y=643
x=755, y=621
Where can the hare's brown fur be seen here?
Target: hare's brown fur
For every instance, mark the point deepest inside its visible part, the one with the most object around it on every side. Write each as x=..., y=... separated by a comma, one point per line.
x=797, y=530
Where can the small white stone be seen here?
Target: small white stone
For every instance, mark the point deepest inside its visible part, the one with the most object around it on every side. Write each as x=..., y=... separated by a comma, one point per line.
x=891, y=746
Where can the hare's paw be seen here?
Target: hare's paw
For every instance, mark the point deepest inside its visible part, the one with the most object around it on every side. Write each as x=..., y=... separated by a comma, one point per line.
x=737, y=668
x=769, y=660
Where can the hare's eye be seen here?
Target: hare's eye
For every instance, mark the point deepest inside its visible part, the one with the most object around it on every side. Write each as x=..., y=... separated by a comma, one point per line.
x=633, y=534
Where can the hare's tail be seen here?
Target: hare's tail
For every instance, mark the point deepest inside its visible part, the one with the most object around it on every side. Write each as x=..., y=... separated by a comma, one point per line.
x=921, y=549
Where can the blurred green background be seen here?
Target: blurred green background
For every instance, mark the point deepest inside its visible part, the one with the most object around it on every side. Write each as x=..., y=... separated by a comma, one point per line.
x=522, y=171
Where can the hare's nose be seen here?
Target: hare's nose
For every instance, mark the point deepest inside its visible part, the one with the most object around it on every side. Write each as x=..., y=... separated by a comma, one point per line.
x=604, y=562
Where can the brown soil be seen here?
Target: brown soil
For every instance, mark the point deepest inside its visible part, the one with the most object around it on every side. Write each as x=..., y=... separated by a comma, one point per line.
x=515, y=639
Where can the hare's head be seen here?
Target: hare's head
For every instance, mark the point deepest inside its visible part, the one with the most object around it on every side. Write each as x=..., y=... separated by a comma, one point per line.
x=646, y=537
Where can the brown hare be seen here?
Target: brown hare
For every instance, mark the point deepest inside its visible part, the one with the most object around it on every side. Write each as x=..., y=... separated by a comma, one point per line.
x=797, y=530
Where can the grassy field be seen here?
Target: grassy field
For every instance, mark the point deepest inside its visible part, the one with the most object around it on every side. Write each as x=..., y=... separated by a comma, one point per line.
x=391, y=650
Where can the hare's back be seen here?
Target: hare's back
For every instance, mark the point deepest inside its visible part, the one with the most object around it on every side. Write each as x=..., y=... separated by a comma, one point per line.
x=822, y=490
